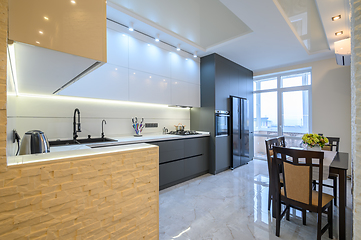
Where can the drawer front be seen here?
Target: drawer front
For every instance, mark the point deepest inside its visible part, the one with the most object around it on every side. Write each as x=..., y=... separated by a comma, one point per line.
x=170, y=150
x=170, y=172
x=171, y=145
x=194, y=146
x=196, y=165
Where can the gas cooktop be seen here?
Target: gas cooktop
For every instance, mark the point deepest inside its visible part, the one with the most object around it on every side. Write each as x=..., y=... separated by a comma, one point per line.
x=190, y=132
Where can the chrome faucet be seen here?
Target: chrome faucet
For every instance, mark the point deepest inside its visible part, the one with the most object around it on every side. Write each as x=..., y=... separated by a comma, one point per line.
x=76, y=126
x=103, y=127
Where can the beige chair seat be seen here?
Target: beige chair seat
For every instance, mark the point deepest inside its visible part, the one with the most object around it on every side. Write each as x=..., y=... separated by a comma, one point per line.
x=326, y=198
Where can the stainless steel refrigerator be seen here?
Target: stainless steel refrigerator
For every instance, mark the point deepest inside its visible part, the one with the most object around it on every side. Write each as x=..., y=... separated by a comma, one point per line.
x=239, y=131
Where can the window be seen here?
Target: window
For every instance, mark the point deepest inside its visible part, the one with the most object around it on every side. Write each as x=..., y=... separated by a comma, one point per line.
x=282, y=106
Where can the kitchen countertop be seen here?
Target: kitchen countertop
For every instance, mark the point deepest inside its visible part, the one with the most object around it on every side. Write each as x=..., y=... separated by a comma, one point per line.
x=31, y=158
x=124, y=143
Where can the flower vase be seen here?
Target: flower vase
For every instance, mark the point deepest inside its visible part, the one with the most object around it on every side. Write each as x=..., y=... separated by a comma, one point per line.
x=314, y=148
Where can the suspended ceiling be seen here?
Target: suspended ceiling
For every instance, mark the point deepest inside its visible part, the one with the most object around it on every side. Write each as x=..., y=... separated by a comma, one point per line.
x=258, y=35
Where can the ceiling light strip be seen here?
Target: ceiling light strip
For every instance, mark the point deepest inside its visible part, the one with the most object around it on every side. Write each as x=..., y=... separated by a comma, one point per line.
x=149, y=36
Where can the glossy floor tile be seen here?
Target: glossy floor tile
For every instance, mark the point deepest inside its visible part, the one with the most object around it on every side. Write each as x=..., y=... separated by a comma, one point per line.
x=232, y=205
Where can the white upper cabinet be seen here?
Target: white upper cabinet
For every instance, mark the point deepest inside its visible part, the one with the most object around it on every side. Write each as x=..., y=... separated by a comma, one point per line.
x=117, y=48
x=149, y=58
x=107, y=82
x=150, y=88
x=185, y=69
x=185, y=94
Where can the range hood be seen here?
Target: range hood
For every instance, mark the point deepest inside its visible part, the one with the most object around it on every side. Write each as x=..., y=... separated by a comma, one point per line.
x=44, y=71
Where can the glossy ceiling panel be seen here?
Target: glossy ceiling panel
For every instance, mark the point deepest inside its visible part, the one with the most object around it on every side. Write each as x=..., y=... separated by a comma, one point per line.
x=204, y=22
x=303, y=18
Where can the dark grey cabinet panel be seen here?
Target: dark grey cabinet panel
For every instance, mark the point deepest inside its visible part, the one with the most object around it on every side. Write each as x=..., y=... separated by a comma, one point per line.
x=171, y=172
x=196, y=165
x=223, y=153
x=195, y=146
x=222, y=84
x=170, y=150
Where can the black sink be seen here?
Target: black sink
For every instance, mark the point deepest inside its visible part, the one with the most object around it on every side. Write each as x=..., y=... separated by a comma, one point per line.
x=80, y=141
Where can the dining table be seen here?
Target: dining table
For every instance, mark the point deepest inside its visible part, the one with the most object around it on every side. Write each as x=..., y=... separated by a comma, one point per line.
x=339, y=165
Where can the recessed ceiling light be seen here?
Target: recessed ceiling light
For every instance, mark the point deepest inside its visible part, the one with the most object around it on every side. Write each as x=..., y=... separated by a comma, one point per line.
x=157, y=38
x=72, y=1
x=131, y=27
x=150, y=76
x=123, y=35
x=40, y=32
x=339, y=33
x=195, y=54
x=46, y=18
x=37, y=42
x=187, y=59
x=336, y=18
x=148, y=45
x=116, y=69
x=178, y=47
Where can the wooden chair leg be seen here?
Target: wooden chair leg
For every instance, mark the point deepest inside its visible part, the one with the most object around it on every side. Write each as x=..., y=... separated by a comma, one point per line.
x=288, y=212
x=278, y=215
x=269, y=199
x=330, y=221
x=304, y=217
x=319, y=224
x=335, y=191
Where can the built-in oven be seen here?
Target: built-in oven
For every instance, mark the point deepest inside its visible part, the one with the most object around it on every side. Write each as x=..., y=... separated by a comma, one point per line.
x=222, y=123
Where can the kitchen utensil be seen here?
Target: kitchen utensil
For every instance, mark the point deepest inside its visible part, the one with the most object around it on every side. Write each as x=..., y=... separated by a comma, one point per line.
x=179, y=127
x=34, y=141
x=138, y=127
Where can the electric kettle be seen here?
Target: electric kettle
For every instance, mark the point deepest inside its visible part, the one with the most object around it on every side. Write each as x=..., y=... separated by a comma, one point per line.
x=34, y=141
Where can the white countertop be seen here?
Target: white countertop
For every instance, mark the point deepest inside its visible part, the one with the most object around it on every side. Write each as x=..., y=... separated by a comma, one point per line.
x=124, y=143
x=31, y=158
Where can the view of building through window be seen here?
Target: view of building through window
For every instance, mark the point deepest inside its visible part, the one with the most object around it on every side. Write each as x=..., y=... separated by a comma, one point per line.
x=282, y=106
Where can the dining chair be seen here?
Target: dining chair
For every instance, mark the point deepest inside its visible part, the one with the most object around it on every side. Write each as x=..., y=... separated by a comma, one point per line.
x=296, y=166
x=334, y=143
x=270, y=143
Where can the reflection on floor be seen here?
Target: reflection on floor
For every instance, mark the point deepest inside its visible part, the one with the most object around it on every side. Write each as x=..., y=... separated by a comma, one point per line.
x=233, y=205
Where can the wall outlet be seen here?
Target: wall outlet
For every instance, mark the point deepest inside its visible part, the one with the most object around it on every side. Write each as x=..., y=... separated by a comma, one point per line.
x=151, y=125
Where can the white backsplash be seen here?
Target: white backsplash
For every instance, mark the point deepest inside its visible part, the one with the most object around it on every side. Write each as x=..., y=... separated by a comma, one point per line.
x=54, y=116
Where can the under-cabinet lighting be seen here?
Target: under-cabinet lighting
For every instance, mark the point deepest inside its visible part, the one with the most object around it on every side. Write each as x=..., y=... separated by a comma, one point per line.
x=157, y=38
x=339, y=33
x=131, y=27
x=336, y=18
x=178, y=47
x=11, y=52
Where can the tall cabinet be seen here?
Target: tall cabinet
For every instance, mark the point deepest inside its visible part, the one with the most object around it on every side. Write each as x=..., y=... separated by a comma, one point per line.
x=220, y=79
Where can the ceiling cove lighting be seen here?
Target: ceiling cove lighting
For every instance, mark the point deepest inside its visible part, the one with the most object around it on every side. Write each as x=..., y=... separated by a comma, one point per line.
x=339, y=33
x=178, y=47
x=131, y=27
x=336, y=18
x=157, y=38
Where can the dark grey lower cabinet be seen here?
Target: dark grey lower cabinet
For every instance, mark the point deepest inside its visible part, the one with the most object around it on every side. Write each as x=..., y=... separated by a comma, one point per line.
x=196, y=165
x=181, y=160
x=171, y=172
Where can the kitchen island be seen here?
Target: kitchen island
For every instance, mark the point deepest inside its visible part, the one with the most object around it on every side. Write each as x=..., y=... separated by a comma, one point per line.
x=91, y=193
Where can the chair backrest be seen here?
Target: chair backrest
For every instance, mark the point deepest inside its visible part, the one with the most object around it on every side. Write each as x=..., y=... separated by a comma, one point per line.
x=270, y=143
x=296, y=167
x=334, y=143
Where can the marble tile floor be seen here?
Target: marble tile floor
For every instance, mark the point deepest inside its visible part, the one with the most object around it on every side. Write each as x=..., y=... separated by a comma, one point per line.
x=233, y=205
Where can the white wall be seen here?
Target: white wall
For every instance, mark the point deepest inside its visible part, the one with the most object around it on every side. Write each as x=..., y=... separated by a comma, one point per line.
x=54, y=116
x=331, y=99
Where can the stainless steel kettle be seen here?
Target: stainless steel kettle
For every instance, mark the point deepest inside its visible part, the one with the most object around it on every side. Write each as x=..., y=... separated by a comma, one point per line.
x=34, y=141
